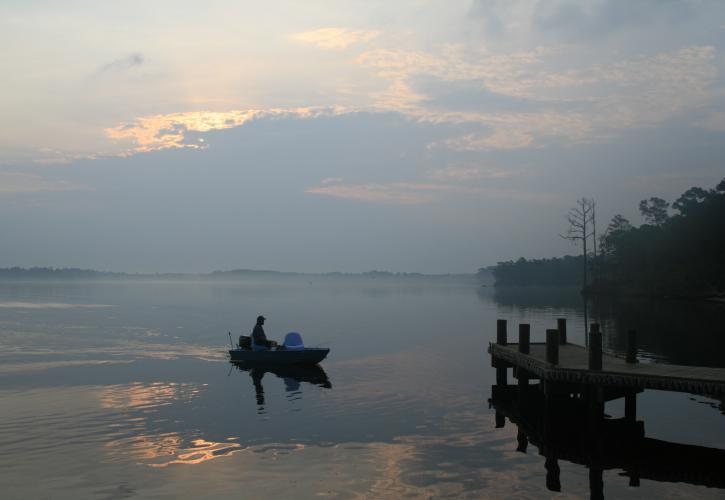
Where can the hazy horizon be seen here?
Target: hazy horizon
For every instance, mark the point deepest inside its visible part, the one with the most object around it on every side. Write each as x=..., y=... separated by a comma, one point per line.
x=322, y=137
x=229, y=273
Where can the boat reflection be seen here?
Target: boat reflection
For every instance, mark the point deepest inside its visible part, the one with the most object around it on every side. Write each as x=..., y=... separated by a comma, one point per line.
x=292, y=376
x=574, y=429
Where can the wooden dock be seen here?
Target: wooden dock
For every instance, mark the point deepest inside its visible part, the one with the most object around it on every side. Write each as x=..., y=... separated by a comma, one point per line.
x=563, y=415
x=559, y=361
x=565, y=430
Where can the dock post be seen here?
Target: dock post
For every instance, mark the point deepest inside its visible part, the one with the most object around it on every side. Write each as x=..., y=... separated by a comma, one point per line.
x=631, y=346
x=553, y=472
x=595, y=347
x=501, y=366
x=500, y=420
x=552, y=347
x=501, y=374
x=524, y=348
x=524, y=343
x=524, y=338
x=561, y=325
x=501, y=334
x=630, y=406
x=522, y=440
x=596, y=481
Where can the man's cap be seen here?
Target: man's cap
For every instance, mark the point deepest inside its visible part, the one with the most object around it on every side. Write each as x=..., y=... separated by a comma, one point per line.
x=260, y=318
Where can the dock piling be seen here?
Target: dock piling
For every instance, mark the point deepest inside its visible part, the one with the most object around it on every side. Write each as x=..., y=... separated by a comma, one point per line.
x=631, y=346
x=552, y=347
x=501, y=339
x=524, y=348
x=501, y=333
x=595, y=347
x=561, y=325
x=524, y=338
x=630, y=406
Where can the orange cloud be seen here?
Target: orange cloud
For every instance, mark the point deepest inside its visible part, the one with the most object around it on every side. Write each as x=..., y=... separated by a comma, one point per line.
x=412, y=193
x=150, y=133
x=334, y=38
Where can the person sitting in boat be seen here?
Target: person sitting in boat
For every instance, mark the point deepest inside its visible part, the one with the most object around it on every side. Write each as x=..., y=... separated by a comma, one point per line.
x=259, y=339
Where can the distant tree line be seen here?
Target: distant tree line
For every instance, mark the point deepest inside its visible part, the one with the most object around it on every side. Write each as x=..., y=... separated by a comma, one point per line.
x=678, y=251
x=557, y=271
x=50, y=273
x=69, y=273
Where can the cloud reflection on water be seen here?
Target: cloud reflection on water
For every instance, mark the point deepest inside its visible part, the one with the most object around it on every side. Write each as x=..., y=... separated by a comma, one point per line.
x=144, y=440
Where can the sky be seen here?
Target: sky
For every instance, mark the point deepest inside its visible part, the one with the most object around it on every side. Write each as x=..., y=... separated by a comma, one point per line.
x=318, y=136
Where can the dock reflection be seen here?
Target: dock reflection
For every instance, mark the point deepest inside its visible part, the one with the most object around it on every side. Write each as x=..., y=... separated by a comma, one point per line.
x=564, y=426
x=292, y=376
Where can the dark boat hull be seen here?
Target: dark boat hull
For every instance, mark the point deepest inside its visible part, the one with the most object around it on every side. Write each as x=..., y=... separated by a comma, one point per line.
x=307, y=356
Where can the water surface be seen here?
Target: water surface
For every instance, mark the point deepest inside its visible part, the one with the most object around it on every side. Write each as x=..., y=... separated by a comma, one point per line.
x=122, y=389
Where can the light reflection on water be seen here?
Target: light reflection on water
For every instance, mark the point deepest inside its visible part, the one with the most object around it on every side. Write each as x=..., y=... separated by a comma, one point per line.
x=122, y=400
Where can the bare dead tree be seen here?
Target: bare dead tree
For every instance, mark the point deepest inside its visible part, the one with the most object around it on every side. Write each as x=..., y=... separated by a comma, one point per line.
x=581, y=221
x=594, y=229
x=595, y=267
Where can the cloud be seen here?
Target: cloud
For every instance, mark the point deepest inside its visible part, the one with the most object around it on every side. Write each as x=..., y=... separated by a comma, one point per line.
x=499, y=73
x=472, y=172
x=151, y=133
x=417, y=193
x=391, y=193
x=18, y=183
x=509, y=131
x=499, y=139
x=584, y=21
x=674, y=181
x=574, y=105
x=334, y=38
x=714, y=120
x=121, y=64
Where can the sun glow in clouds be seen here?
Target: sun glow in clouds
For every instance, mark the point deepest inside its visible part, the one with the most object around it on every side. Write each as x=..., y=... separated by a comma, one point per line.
x=334, y=38
x=151, y=133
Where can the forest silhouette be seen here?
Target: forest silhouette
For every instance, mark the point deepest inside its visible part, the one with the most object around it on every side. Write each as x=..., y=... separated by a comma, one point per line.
x=677, y=252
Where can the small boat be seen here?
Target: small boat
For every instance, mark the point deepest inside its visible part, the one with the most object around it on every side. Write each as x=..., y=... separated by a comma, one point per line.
x=306, y=356
x=291, y=352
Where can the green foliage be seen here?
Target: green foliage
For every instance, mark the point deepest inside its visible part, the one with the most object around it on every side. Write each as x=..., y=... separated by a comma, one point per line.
x=681, y=255
x=654, y=210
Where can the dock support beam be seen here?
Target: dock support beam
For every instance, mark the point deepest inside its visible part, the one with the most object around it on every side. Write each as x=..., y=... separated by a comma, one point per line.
x=552, y=347
x=595, y=347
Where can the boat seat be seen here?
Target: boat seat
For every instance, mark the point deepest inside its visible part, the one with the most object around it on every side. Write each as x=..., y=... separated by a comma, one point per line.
x=293, y=341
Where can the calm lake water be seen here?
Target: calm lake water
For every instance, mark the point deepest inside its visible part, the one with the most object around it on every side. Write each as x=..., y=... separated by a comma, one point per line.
x=123, y=389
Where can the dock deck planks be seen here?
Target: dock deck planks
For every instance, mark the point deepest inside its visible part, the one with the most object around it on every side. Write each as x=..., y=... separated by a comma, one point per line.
x=573, y=367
